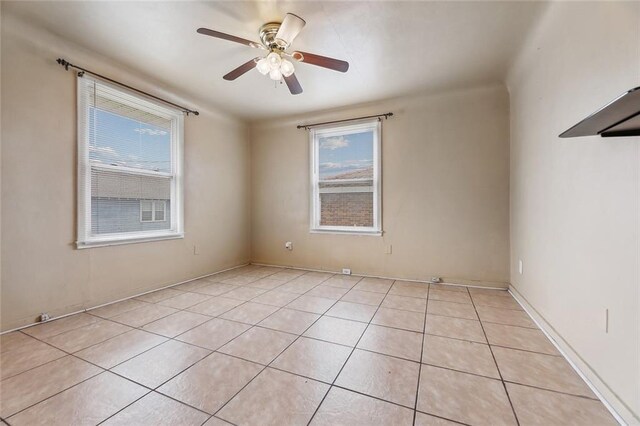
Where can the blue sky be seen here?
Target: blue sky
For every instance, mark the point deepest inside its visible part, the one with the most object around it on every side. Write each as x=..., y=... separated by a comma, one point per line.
x=340, y=154
x=122, y=141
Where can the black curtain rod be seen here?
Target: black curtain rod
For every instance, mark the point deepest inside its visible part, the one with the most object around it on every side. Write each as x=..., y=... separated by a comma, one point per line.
x=81, y=72
x=379, y=116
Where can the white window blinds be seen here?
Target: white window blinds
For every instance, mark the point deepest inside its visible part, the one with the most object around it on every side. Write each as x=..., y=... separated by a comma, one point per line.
x=129, y=167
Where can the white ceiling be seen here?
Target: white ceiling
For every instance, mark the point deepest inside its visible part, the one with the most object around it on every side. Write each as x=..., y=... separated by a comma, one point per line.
x=394, y=48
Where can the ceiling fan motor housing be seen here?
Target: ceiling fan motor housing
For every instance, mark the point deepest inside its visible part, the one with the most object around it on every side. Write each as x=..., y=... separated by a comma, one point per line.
x=268, y=37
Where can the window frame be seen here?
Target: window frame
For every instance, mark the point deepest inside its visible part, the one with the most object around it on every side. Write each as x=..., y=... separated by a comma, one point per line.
x=154, y=211
x=85, y=238
x=314, y=208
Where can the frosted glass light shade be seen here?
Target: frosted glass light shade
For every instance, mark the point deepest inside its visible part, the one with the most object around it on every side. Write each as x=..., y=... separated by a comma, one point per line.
x=286, y=68
x=275, y=74
x=274, y=60
x=263, y=66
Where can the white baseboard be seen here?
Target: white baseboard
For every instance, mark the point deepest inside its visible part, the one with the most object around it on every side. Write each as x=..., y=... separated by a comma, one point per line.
x=449, y=283
x=618, y=409
x=124, y=298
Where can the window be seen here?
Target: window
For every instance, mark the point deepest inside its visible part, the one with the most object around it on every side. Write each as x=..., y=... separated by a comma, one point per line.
x=346, y=179
x=152, y=211
x=129, y=167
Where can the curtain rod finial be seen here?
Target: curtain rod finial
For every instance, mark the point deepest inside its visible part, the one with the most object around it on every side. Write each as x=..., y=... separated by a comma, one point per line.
x=64, y=63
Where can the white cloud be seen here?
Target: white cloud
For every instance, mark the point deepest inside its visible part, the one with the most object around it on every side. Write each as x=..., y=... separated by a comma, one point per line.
x=150, y=132
x=105, y=150
x=104, y=153
x=329, y=165
x=334, y=143
x=346, y=165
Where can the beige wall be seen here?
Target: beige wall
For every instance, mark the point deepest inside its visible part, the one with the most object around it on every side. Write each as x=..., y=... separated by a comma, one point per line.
x=445, y=168
x=42, y=271
x=574, y=202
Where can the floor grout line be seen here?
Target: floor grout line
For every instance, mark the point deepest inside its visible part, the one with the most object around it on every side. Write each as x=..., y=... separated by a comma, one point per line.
x=443, y=418
x=424, y=329
x=513, y=410
x=125, y=407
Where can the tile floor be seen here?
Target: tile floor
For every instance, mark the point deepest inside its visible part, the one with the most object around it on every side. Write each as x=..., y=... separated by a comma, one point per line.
x=273, y=346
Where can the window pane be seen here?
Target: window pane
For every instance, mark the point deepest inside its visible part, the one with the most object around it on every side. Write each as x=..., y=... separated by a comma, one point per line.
x=117, y=199
x=159, y=206
x=346, y=188
x=346, y=156
x=121, y=141
x=123, y=135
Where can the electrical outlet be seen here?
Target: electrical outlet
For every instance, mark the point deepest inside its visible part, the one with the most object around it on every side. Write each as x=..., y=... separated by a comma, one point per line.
x=196, y=249
x=387, y=249
x=288, y=245
x=346, y=271
x=520, y=266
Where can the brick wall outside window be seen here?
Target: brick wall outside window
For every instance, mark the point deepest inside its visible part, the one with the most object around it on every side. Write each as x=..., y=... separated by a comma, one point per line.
x=346, y=209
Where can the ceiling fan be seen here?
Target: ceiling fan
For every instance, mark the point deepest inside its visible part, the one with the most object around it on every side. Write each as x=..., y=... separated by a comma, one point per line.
x=276, y=38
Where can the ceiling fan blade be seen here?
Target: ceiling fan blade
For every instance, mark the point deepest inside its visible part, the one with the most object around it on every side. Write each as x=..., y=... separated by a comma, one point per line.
x=242, y=69
x=293, y=84
x=289, y=29
x=229, y=37
x=321, y=61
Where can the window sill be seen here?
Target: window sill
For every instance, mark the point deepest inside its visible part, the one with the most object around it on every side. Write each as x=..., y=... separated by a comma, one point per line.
x=346, y=232
x=121, y=241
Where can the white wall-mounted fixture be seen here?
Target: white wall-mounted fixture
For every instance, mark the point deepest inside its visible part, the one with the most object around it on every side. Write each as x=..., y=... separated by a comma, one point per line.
x=288, y=245
x=346, y=271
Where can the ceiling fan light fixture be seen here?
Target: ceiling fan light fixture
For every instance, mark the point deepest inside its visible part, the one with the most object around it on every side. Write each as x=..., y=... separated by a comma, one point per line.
x=286, y=68
x=275, y=74
x=274, y=60
x=263, y=66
